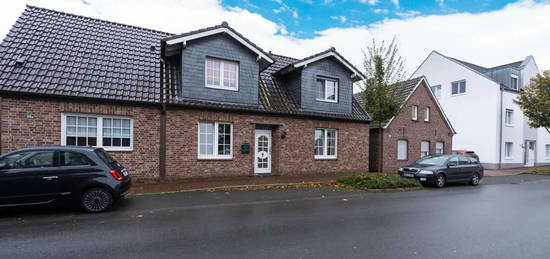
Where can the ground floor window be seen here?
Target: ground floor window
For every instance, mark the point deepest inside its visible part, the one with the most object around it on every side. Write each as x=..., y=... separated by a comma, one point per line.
x=402, y=146
x=424, y=148
x=439, y=148
x=215, y=140
x=109, y=132
x=547, y=150
x=508, y=150
x=325, y=143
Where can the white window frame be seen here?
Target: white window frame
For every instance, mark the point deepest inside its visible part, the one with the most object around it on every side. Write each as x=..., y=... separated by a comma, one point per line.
x=324, y=79
x=424, y=151
x=215, y=141
x=99, y=127
x=508, y=148
x=438, y=92
x=222, y=63
x=547, y=151
x=325, y=144
x=427, y=114
x=458, y=90
x=509, y=122
x=414, y=110
x=405, y=152
x=517, y=82
x=439, y=145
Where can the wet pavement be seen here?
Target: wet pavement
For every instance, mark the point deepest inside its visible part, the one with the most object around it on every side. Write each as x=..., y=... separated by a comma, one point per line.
x=493, y=220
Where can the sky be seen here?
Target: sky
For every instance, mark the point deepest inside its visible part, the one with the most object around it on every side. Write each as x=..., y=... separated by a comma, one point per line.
x=484, y=32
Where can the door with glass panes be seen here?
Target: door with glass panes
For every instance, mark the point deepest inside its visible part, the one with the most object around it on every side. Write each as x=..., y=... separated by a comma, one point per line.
x=262, y=152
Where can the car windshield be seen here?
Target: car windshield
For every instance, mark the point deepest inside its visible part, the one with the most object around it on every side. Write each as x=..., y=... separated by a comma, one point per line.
x=433, y=160
x=105, y=156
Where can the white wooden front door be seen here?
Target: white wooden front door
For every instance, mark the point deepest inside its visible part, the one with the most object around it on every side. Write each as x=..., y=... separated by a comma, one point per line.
x=262, y=152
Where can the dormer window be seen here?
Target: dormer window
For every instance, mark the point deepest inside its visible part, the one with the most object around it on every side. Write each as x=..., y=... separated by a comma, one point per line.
x=514, y=82
x=327, y=90
x=222, y=74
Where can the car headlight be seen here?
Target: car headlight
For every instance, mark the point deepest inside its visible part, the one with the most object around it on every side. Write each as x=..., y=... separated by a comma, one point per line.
x=400, y=168
x=426, y=172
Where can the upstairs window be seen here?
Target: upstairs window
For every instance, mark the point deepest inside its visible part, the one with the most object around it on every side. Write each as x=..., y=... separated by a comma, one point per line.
x=327, y=90
x=458, y=87
x=414, y=112
x=222, y=74
x=427, y=114
x=514, y=82
x=436, y=89
x=509, y=117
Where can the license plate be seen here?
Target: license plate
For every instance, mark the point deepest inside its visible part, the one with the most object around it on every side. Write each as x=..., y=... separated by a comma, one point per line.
x=124, y=172
x=408, y=175
x=422, y=179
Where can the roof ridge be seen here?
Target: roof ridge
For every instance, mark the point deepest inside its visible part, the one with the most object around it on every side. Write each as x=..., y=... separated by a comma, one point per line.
x=28, y=7
x=284, y=56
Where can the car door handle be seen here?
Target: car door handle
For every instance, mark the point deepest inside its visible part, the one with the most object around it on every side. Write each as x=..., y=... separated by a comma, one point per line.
x=50, y=177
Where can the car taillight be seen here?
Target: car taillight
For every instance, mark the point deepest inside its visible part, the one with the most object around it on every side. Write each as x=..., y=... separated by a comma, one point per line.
x=116, y=174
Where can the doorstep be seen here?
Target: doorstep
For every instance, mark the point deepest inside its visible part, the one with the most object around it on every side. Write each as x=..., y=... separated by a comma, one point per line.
x=232, y=182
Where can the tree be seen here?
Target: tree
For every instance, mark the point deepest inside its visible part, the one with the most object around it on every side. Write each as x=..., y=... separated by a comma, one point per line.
x=384, y=70
x=535, y=101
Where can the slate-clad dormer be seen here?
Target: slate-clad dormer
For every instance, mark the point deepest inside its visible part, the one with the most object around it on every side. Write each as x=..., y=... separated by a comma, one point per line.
x=322, y=82
x=218, y=64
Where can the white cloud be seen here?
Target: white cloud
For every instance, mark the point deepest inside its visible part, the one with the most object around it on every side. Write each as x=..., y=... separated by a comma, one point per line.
x=342, y=19
x=440, y=2
x=407, y=14
x=369, y=2
x=381, y=10
x=487, y=39
x=395, y=3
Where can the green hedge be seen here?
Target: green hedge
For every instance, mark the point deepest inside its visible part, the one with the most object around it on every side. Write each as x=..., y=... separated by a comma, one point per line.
x=366, y=181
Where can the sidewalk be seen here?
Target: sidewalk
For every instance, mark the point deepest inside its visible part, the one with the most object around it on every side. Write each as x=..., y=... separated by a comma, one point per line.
x=207, y=183
x=512, y=171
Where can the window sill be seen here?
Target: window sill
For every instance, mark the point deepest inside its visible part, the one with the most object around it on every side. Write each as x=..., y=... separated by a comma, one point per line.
x=427, y=121
x=235, y=89
x=326, y=158
x=118, y=149
x=508, y=158
x=214, y=158
x=453, y=95
x=326, y=101
x=509, y=125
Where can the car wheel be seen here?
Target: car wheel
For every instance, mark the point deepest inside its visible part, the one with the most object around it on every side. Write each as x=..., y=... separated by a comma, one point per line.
x=475, y=179
x=96, y=200
x=440, y=181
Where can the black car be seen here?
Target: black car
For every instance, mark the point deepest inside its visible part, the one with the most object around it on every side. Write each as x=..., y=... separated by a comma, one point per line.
x=83, y=175
x=442, y=169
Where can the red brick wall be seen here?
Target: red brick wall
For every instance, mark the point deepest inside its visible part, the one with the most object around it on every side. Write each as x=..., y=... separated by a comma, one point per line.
x=44, y=128
x=292, y=155
x=403, y=127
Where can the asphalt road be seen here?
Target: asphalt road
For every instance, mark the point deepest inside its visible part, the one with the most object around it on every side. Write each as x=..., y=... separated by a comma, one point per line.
x=488, y=221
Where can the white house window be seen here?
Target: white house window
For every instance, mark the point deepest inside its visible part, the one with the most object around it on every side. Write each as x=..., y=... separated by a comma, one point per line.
x=325, y=143
x=508, y=150
x=514, y=82
x=458, y=87
x=222, y=74
x=439, y=148
x=547, y=151
x=509, y=117
x=414, y=110
x=427, y=114
x=436, y=89
x=402, y=146
x=215, y=140
x=424, y=148
x=111, y=133
x=327, y=90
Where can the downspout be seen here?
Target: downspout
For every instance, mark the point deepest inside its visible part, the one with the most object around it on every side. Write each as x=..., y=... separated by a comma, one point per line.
x=500, y=130
x=162, y=127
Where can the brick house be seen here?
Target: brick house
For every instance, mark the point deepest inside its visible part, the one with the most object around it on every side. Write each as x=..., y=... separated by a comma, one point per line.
x=421, y=128
x=205, y=103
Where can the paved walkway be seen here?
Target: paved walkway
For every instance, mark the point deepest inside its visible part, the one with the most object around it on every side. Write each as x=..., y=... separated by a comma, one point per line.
x=511, y=171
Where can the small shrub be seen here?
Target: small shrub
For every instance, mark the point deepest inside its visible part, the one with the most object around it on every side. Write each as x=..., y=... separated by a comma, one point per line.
x=366, y=181
x=541, y=171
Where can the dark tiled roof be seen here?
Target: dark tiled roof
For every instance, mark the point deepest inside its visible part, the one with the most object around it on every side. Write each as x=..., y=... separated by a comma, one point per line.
x=403, y=91
x=69, y=55
x=484, y=70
